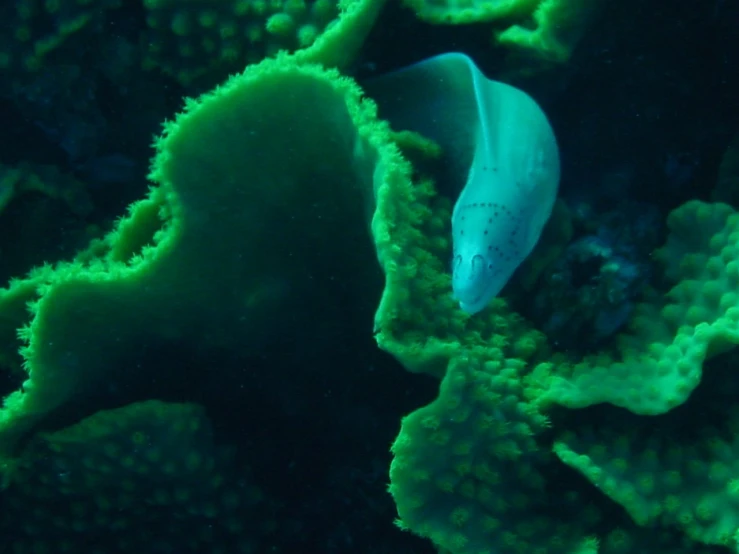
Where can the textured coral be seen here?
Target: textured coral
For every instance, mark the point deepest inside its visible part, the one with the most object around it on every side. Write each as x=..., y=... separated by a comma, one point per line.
x=545, y=30
x=678, y=472
x=119, y=473
x=181, y=265
x=191, y=39
x=467, y=469
x=661, y=358
x=268, y=194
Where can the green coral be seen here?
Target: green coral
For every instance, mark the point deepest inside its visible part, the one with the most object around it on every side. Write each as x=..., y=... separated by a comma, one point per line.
x=119, y=472
x=33, y=30
x=418, y=320
x=460, y=12
x=284, y=172
x=664, y=474
x=472, y=467
x=239, y=218
x=494, y=368
x=467, y=468
x=558, y=26
x=544, y=30
x=661, y=359
x=202, y=39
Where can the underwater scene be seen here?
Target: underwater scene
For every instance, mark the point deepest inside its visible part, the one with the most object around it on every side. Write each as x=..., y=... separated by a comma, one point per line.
x=369, y=277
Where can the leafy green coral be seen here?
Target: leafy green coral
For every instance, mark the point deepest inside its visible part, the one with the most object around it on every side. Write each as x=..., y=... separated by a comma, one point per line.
x=193, y=40
x=247, y=219
x=121, y=472
x=243, y=211
x=661, y=359
x=542, y=29
x=448, y=459
x=418, y=321
x=665, y=473
x=467, y=468
x=498, y=381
